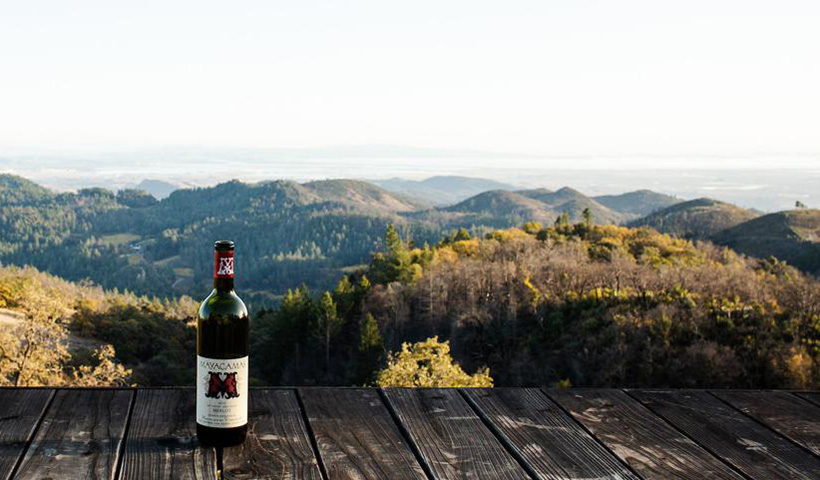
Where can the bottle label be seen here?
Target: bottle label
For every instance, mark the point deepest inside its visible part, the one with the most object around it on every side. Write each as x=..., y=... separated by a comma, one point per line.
x=221, y=392
x=223, y=264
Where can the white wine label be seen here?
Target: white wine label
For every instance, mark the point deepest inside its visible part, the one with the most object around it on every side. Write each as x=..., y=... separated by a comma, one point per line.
x=221, y=392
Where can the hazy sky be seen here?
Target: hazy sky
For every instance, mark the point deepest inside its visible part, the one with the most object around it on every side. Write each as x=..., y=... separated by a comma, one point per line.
x=546, y=77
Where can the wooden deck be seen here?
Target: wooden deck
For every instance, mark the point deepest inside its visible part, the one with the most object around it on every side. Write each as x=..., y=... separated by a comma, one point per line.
x=396, y=434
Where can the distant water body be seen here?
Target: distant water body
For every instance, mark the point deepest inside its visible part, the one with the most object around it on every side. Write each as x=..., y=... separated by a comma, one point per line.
x=755, y=183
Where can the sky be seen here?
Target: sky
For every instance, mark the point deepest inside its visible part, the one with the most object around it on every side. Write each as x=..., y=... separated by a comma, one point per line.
x=583, y=77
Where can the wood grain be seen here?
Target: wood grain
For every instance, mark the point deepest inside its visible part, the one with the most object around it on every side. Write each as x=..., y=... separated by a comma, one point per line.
x=20, y=410
x=648, y=444
x=79, y=437
x=783, y=412
x=451, y=437
x=739, y=440
x=161, y=443
x=551, y=442
x=356, y=436
x=813, y=397
x=277, y=445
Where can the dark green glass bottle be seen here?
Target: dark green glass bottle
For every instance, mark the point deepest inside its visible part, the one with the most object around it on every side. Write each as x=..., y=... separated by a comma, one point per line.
x=222, y=346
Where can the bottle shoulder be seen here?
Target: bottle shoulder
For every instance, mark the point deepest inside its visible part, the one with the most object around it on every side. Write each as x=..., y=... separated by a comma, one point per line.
x=222, y=303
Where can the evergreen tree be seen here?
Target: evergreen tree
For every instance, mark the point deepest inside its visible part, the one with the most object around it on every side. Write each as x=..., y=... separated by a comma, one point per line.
x=396, y=263
x=461, y=234
x=328, y=324
x=371, y=350
x=587, y=216
x=562, y=222
x=345, y=296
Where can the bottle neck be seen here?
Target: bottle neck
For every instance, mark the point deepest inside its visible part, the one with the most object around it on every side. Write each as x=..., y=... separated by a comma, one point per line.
x=223, y=284
x=223, y=270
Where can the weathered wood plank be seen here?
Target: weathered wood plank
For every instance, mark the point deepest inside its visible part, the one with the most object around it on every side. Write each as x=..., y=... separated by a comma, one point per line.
x=80, y=436
x=551, y=443
x=452, y=439
x=739, y=440
x=356, y=436
x=20, y=410
x=783, y=412
x=648, y=444
x=813, y=397
x=277, y=445
x=161, y=443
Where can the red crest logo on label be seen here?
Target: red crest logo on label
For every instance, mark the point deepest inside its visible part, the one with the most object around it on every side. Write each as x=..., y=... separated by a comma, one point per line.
x=225, y=266
x=219, y=387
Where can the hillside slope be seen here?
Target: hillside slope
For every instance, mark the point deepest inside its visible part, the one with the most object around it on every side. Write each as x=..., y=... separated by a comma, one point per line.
x=361, y=194
x=502, y=203
x=285, y=232
x=700, y=218
x=158, y=188
x=442, y=190
x=573, y=202
x=639, y=203
x=16, y=190
x=793, y=236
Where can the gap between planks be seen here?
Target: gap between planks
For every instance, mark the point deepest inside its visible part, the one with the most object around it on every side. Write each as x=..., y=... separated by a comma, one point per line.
x=33, y=434
x=695, y=440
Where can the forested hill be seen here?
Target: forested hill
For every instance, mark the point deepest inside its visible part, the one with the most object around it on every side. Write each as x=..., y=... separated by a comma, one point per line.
x=290, y=233
x=287, y=233
x=570, y=304
x=792, y=236
x=699, y=219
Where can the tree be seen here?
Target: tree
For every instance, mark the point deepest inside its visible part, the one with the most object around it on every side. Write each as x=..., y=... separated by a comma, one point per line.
x=280, y=338
x=562, y=222
x=800, y=205
x=328, y=324
x=345, y=296
x=429, y=364
x=106, y=373
x=587, y=216
x=396, y=264
x=34, y=352
x=461, y=234
x=135, y=198
x=371, y=350
x=532, y=228
x=393, y=242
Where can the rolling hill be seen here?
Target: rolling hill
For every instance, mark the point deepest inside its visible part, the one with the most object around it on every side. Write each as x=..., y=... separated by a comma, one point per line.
x=157, y=188
x=288, y=233
x=361, y=194
x=442, y=190
x=639, y=203
x=503, y=209
x=16, y=190
x=501, y=205
x=573, y=202
x=792, y=236
x=697, y=219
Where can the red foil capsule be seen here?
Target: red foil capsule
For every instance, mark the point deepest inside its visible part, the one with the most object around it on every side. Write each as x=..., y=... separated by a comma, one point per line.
x=223, y=264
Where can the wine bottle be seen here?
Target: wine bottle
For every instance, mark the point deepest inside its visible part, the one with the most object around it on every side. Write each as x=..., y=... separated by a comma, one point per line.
x=222, y=346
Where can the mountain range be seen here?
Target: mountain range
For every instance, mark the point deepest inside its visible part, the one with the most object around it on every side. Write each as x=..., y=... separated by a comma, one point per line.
x=290, y=233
